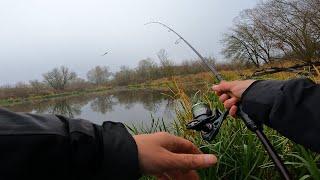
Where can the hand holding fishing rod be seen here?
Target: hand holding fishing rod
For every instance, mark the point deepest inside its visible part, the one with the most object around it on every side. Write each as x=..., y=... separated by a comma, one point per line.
x=208, y=122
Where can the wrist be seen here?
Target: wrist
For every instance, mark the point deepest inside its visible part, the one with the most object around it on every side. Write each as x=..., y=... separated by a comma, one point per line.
x=245, y=92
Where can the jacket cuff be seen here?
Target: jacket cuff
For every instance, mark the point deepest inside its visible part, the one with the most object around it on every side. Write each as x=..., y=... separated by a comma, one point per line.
x=120, y=152
x=259, y=97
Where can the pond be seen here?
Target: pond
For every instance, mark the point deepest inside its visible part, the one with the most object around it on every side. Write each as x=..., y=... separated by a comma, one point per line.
x=127, y=106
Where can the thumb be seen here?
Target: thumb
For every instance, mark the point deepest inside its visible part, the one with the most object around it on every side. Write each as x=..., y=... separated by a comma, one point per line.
x=193, y=161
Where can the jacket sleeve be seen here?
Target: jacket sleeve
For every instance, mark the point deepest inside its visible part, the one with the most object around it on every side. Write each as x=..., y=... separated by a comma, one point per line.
x=55, y=147
x=291, y=107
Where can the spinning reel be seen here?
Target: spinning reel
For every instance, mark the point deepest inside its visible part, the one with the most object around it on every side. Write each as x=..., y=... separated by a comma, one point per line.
x=205, y=120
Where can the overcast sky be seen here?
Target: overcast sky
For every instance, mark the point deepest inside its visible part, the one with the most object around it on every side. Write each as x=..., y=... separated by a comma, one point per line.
x=38, y=35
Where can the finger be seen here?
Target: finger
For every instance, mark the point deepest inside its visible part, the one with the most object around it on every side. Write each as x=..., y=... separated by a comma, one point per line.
x=233, y=111
x=176, y=175
x=163, y=176
x=179, y=175
x=224, y=97
x=218, y=93
x=223, y=86
x=178, y=145
x=230, y=102
x=192, y=161
x=191, y=175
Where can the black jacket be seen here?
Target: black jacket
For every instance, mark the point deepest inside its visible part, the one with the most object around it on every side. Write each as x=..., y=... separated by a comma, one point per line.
x=54, y=147
x=291, y=107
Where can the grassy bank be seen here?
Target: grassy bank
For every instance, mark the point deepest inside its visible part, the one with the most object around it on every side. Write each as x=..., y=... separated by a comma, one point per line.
x=240, y=153
x=164, y=84
x=189, y=82
x=34, y=98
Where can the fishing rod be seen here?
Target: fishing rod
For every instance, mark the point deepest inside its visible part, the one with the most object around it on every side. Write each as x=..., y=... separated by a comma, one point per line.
x=208, y=122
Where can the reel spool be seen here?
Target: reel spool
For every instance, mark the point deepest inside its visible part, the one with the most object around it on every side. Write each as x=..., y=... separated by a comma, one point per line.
x=205, y=120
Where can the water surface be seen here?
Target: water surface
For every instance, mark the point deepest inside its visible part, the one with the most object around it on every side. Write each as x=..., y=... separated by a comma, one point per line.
x=126, y=106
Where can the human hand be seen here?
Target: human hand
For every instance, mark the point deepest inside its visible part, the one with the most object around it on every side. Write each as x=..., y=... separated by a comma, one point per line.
x=230, y=93
x=170, y=157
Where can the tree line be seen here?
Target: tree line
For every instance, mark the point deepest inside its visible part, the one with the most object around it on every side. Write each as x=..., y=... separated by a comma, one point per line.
x=148, y=69
x=63, y=79
x=275, y=30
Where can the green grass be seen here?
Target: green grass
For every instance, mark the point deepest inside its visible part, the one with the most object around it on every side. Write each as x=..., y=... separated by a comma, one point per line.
x=240, y=153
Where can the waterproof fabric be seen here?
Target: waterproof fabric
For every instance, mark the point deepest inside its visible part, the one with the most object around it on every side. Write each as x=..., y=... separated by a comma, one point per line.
x=55, y=147
x=291, y=107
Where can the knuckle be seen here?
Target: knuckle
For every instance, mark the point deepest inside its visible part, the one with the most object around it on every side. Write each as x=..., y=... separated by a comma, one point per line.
x=190, y=162
x=223, y=83
x=232, y=101
x=226, y=104
x=232, y=112
x=194, y=162
x=189, y=144
x=187, y=161
x=163, y=134
x=235, y=100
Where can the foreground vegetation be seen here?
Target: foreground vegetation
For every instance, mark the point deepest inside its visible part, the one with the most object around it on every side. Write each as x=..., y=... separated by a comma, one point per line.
x=240, y=153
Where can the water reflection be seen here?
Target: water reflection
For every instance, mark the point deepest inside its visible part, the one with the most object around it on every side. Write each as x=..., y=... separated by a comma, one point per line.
x=63, y=107
x=149, y=99
x=103, y=104
x=69, y=107
x=124, y=106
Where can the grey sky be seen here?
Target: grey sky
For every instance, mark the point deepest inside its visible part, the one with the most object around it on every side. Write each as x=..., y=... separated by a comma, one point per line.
x=37, y=35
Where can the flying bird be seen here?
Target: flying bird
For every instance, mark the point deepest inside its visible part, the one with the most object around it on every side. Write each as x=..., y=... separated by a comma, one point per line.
x=105, y=53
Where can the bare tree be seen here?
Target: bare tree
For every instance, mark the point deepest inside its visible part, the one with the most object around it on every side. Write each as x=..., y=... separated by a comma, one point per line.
x=276, y=28
x=147, y=69
x=59, y=78
x=99, y=75
x=165, y=62
x=248, y=42
x=290, y=23
x=125, y=76
x=37, y=86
